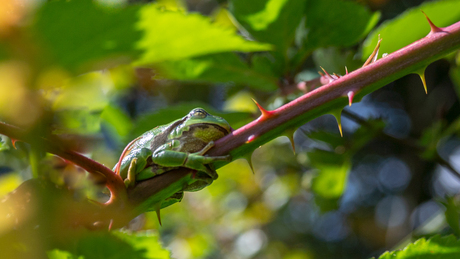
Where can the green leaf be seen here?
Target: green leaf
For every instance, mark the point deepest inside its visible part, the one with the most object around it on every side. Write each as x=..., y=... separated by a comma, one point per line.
x=174, y=35
x=272, y=21
x=333, y=169
x=336, y=23
x=146, y=241
x=76, y=34
x=437, y=247
x=3, y=145
x=411, y=26
x=59, y=254
x=225, y=67
x=114, y=245
x=88, y=91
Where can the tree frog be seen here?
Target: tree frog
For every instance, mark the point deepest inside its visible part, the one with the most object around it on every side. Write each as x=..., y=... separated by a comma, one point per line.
x=181, y=143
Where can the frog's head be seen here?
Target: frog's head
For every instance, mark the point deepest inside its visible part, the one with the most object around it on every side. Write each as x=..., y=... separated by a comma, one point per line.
x=205, y=126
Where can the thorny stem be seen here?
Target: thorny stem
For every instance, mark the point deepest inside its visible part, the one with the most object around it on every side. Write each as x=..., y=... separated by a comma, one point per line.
x=362, y=81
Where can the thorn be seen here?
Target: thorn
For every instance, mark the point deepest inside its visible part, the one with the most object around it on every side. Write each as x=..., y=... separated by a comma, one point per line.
x=321, y=74
x=346, y=70
x=351, y=95
x=110, y=224
x=290, y=135
x=433, y=27
x=421, y=74
x=265, y=114
x=337, y=115
x=157, y=210
x=13, y=141
x=248, y=158
x=327, y=74
x=373, y=57
x=340, y=128
x=251, y=138
x=336, y=75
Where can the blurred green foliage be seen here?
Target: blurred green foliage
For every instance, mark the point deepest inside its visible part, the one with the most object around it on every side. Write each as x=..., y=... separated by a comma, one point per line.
x=440, y=247
x=100, y=73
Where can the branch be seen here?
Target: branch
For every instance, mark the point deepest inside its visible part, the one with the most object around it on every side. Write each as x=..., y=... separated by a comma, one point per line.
x=334, y=95
x=55, y=146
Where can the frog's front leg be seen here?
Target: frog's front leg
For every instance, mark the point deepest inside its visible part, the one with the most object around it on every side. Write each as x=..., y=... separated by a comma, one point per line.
x=131, y=175
x=136, y=165
x=196, y=161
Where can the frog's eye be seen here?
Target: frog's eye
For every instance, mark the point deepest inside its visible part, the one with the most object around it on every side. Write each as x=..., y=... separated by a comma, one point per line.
x=199, y=113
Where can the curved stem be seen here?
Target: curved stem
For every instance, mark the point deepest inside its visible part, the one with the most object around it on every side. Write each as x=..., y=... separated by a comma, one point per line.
x=113, y=181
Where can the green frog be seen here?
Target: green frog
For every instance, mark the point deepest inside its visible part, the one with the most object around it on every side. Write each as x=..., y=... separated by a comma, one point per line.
x=181, y=143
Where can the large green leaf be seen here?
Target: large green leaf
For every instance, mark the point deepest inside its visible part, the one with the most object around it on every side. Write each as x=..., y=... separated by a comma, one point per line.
x=76, y=34
x=437, y=247
x=336, y=23
x=411, y=26
x=83, y=35
x=273, y=21
x=174, y=35
x=224, y=67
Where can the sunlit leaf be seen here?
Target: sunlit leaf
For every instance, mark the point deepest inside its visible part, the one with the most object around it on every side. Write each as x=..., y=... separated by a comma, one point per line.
x=3, y=145
x=438, y=247
x=333, y=169
x=119, y=245
x=272, y=21
x=175, y=35
x=60, y=254
x=76, y=34
x=8, y=183
x=146, y=241
x=336, y=23
x=411, y=26
x=218, y=68
x=88, y=92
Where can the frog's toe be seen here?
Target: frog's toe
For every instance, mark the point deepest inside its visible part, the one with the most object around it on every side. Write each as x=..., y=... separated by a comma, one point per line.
x=210, y=172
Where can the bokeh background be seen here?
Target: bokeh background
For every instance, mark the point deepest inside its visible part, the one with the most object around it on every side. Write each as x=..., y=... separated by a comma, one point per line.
x=391, y=178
